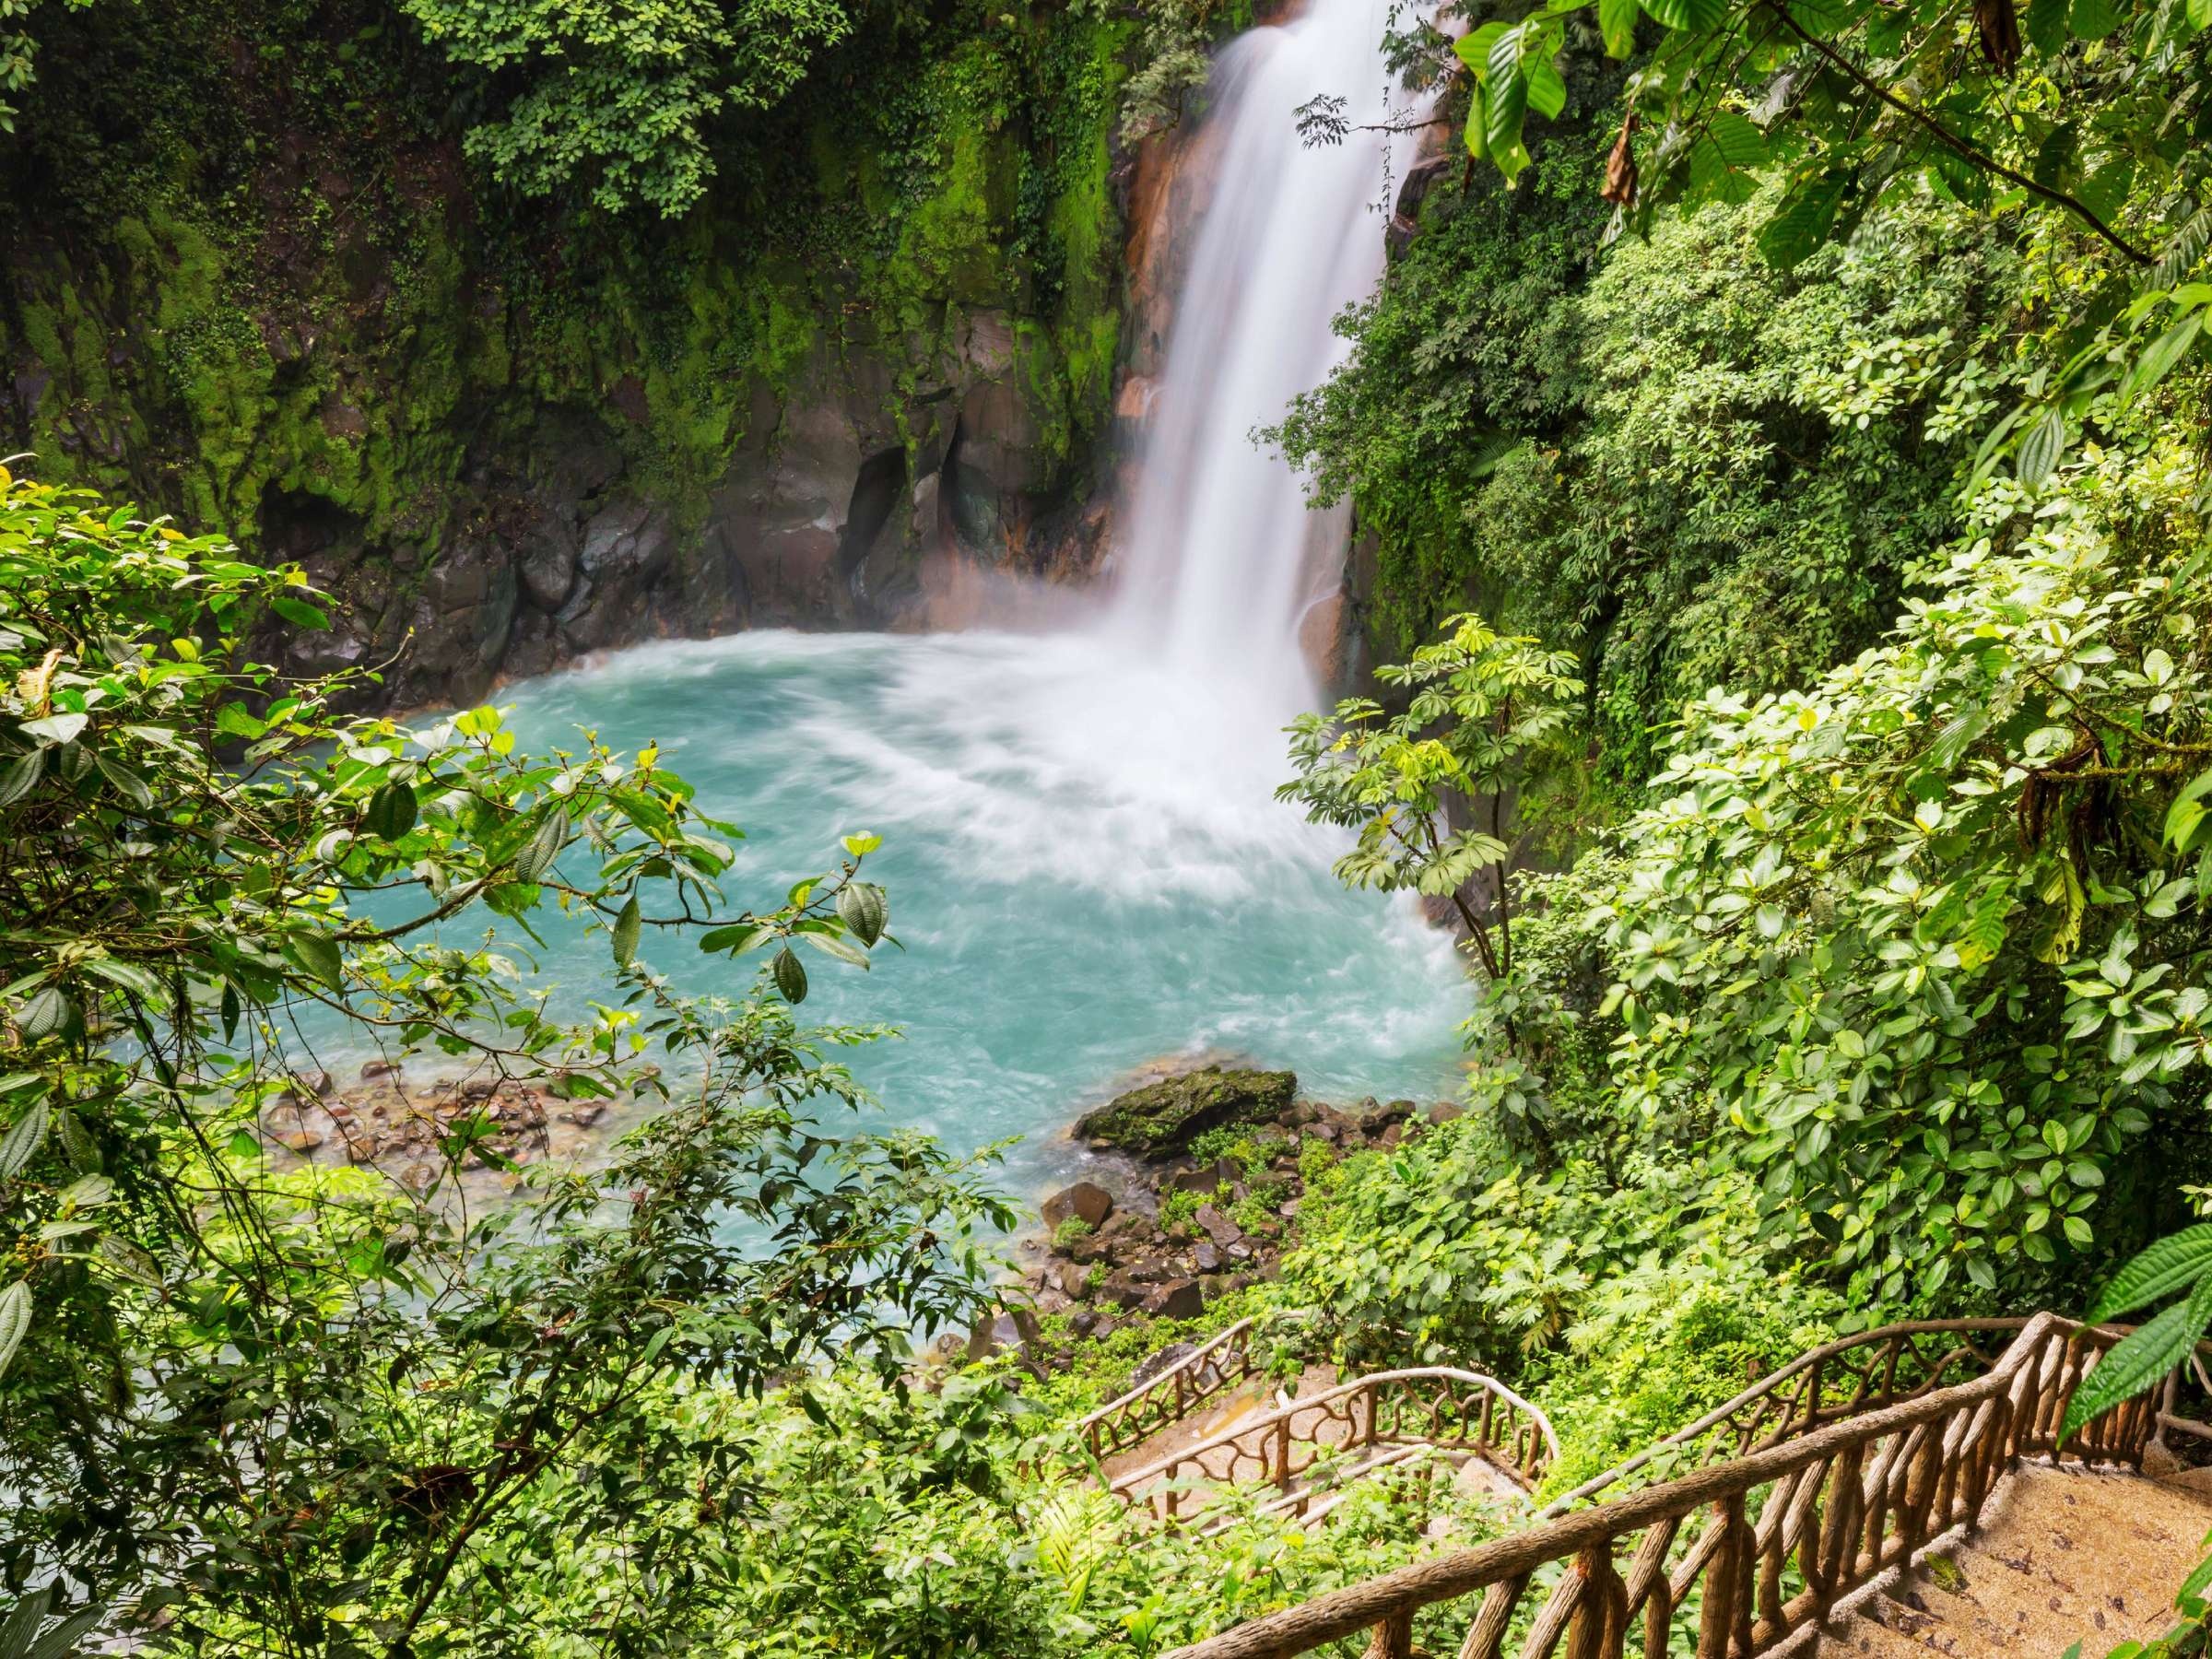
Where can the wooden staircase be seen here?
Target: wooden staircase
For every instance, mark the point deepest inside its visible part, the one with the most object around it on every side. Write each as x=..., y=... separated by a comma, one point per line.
x=1208, y=1424
x=1902, y=1492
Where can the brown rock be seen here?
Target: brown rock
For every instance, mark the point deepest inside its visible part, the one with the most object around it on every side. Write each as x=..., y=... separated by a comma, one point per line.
x=1205, y=1178
x=1219, y=1227
x=1206, y=1258
x=380, y=1069
x=1086, y=1201
x=1179, y=1299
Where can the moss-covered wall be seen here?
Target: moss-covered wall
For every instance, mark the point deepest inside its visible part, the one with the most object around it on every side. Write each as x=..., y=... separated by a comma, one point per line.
x=262, y=289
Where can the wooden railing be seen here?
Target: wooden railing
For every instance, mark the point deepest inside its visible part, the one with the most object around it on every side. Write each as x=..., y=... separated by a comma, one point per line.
x=1455, y=1410
x=1222, y=1362
x=1731, y=1559
x=1845, y=1377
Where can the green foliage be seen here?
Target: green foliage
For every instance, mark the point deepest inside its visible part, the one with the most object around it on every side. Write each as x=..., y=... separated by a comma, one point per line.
x=1690, y=468
x=1485, y=714
x=2095, y=124
x=1918, y=947
x=205, y=868
x=621, y=97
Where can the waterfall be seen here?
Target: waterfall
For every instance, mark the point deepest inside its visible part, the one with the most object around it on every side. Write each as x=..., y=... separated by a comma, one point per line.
x=1219, y=555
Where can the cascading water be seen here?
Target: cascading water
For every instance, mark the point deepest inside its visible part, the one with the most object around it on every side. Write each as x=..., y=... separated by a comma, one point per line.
x=1220, y=548
x=1086, y=866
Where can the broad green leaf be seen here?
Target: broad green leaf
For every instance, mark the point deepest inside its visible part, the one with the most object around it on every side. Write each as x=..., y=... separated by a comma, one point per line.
x=1547, y=86
x=2182, y=1258
x=2140, y=1359
x=55, y=729
x=1507, y=105
x=1803, y=221
x=2094, y=19
x=1616, y=22
x=543, y=847
x=1698, y=15
x=2045, y=26
x=299, y=612
x=790, y=975
x=627, y=926
x=21, y=774
x=391, y=812
x=2159, y=356
x=127, y=783
x=863, y=908
x=46, y=1014
x=316, y=955
x=2040, y=451
x=14, y=1320
x=23, y=1139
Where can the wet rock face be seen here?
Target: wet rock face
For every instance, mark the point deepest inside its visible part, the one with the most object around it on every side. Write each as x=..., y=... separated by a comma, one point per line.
x=1162, y=1117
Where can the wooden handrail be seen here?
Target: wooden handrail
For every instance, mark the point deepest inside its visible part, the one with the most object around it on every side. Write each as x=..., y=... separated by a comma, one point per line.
x=1223, y=1360
x=1265, y=1442
x=1847, y=1501
x=1891, y=1338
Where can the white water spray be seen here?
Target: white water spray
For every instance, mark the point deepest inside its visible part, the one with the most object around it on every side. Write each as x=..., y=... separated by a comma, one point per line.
x=1221, y=555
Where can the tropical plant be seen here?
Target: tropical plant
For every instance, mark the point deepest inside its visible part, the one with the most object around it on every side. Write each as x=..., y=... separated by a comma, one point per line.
x=1486, y=712
x=254, y=1403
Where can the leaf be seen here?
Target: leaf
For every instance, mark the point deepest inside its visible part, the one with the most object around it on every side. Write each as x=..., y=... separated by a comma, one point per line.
x=627, y=926
x=736, y=940
x=16, y=781
x=46, y=1014
x=1616, y=22
x=316, y=955
x=2181, y=1258
x=232, y=721
x=1803, y=221
x=863, y=909
x=2045, y=24
x=298, y=612
x=1547, y=86
x=78, y=1143
x=22, y=1141
x=57, y=728
x=2093, y=19
x=1688, y=14
x=14, y=1320
x=2139, y=1359
x=2159, y=356
x=391, y=812
x=538, y=855
x=790, y=975
x=1506, y=106
x=861, y=844
x=2040, y=451
x=128, y=783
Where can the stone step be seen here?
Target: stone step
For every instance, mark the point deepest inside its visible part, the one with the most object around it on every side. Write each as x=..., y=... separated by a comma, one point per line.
x=2063, y=1554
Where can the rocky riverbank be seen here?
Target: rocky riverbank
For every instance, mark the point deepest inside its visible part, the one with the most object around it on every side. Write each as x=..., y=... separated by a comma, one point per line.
x=1208, y=1173
x=406, y=1131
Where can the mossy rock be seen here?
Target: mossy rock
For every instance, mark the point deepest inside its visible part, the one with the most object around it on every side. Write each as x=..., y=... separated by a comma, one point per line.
x=1162, y=1118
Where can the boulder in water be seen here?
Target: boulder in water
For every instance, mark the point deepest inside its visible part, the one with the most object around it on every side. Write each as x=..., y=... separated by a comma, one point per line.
x=1162, y=1118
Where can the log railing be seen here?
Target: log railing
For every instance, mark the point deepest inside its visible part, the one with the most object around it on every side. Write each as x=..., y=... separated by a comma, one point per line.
x=1728, y=1560
x=1435, y=1405
x=1841, y=1379
x=1222, y=1362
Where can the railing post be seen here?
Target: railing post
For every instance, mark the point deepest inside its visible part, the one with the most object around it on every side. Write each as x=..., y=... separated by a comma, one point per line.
x=1717, y=1612
x=1282, y=1456
x=1601, y=1613
x=1393, y=1637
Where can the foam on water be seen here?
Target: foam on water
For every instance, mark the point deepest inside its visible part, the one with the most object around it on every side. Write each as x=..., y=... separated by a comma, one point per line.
x=1085, y=862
